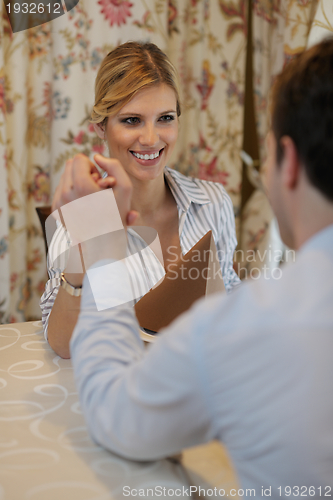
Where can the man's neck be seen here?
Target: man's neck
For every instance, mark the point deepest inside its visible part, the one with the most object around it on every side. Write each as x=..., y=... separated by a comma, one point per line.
x=314, y=214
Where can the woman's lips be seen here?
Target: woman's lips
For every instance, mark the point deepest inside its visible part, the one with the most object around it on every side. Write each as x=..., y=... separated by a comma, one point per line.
x=147, y=158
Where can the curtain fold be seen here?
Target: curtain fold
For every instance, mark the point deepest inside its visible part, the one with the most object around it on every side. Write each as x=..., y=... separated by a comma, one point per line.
x=280, y=32
x=4, y=209
x=47, y=78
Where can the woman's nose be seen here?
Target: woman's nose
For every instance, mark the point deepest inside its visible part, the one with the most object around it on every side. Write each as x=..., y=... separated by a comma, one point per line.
x=149, y=135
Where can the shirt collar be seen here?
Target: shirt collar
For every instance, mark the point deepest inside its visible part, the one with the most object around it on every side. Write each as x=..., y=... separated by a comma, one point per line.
x=323, y=239
x=185, y=189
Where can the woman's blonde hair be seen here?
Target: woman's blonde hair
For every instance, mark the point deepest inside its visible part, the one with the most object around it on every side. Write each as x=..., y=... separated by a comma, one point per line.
x=125, y=71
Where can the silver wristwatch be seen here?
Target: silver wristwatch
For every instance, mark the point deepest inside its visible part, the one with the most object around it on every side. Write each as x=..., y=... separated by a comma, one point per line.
x=75, y=291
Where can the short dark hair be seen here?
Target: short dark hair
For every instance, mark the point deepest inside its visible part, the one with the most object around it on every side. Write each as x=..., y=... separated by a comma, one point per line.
x=302, y=108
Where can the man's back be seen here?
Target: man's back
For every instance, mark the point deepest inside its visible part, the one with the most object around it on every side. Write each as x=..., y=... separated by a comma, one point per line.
x=272, y=397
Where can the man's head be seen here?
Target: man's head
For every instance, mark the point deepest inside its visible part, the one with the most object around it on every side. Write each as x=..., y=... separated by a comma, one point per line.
x=301, y=141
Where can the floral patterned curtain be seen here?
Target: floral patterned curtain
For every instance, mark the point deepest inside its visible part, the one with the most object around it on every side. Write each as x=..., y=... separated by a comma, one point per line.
x=280, y=31
x=322, y=25
x=47, y=78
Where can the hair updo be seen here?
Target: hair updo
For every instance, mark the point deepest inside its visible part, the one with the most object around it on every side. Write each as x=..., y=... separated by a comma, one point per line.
x=125, y=71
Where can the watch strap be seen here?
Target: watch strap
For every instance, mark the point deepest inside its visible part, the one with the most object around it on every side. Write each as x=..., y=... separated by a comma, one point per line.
x=75, y=291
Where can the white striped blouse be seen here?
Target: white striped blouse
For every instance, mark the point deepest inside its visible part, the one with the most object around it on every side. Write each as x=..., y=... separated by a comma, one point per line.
x=202, y=206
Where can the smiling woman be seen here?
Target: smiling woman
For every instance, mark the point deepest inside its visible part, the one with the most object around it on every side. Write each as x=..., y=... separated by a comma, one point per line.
x=136, y=111
x=143, y=133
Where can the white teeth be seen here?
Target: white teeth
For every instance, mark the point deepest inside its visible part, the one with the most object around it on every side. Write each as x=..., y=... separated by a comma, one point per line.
x=147, y=157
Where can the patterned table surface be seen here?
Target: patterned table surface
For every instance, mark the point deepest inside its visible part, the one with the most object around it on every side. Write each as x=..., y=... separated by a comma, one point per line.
x=45, y=450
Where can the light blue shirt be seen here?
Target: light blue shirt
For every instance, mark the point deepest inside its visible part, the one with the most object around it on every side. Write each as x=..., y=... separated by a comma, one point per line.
x=253, y=369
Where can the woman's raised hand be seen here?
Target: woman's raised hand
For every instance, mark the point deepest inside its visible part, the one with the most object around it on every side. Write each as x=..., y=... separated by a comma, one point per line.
x=81, y=178
x=122, y=187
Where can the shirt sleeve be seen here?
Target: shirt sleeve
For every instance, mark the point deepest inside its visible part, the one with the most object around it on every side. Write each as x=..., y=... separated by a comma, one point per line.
x=139, y=402
x=227, y=243
x=56, y=263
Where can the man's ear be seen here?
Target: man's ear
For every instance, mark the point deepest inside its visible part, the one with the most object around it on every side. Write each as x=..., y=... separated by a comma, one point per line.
x=290, y=164
x=99, y=129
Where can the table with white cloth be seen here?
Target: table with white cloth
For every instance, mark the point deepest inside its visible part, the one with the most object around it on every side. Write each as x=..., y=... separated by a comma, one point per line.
x=47, y=454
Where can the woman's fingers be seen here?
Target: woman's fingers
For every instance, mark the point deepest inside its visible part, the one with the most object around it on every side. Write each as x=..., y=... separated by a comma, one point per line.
x=79, y=178
x=131, y=217
x=107, y=182
x=67, y=184
x=62, y=194
x=112, y=166
x=96, y=176
x=56, y=197
x=83, y=181
x=122, y=188
x=116, y=171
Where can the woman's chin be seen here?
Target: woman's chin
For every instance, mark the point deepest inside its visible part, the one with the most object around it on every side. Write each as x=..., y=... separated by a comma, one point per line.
x=146, y=173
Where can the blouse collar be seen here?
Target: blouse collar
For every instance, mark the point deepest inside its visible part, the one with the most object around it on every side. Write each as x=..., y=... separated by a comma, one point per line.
x=185, y=190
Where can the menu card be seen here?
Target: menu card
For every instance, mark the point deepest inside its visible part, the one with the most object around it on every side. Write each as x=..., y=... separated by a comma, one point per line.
x=196, y=274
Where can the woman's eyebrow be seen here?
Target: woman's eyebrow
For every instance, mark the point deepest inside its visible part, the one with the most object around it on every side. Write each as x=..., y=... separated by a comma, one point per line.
x=168, y=112
x=129, y=113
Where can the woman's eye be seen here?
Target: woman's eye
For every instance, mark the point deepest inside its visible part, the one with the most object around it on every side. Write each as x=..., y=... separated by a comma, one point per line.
x=167, y=118
x=131, y=120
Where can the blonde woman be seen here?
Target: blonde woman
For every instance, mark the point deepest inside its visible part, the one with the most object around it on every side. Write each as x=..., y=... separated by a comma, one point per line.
x=136, y=111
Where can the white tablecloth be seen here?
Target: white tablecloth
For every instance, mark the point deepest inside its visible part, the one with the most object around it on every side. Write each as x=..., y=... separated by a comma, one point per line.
x=46, y=453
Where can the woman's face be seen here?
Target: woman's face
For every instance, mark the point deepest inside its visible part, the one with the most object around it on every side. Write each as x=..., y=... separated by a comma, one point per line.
x=143, y=133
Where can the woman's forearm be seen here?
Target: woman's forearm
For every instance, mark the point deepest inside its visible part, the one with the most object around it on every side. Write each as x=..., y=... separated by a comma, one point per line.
x=63, y=318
